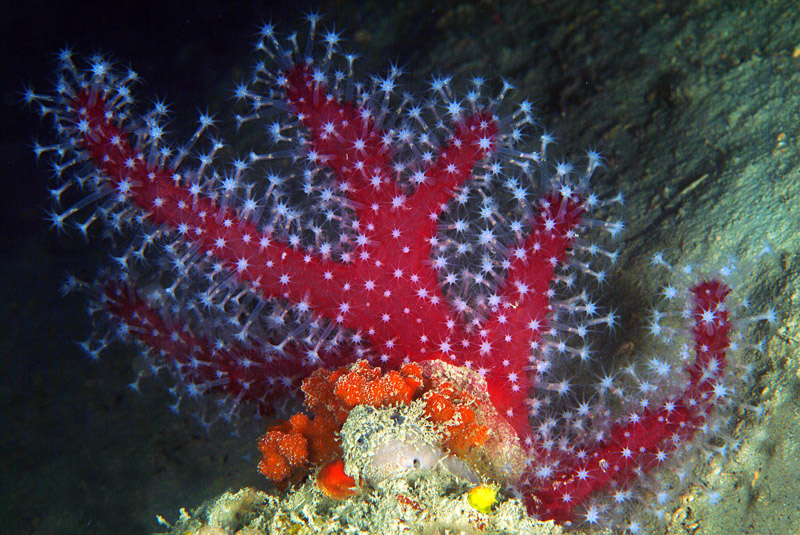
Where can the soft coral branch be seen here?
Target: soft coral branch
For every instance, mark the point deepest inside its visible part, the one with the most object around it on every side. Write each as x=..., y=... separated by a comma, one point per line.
x=647, y=438
x=388, y=288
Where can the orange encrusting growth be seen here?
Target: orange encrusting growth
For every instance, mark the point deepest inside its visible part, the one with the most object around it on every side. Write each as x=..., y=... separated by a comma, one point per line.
x=443, y=405
x=334, y=482
x=290, y=448
x=335, y=393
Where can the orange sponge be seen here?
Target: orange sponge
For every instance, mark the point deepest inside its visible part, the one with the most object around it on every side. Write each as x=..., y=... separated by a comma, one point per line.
x=290, y=448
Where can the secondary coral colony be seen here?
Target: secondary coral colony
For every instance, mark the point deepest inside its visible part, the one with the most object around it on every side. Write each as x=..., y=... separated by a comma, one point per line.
x=379, y=250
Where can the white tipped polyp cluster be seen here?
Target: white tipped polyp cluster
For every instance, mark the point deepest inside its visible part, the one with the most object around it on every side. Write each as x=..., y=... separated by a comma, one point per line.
x=480, y=229
x=661, y=379
x=483, y=227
